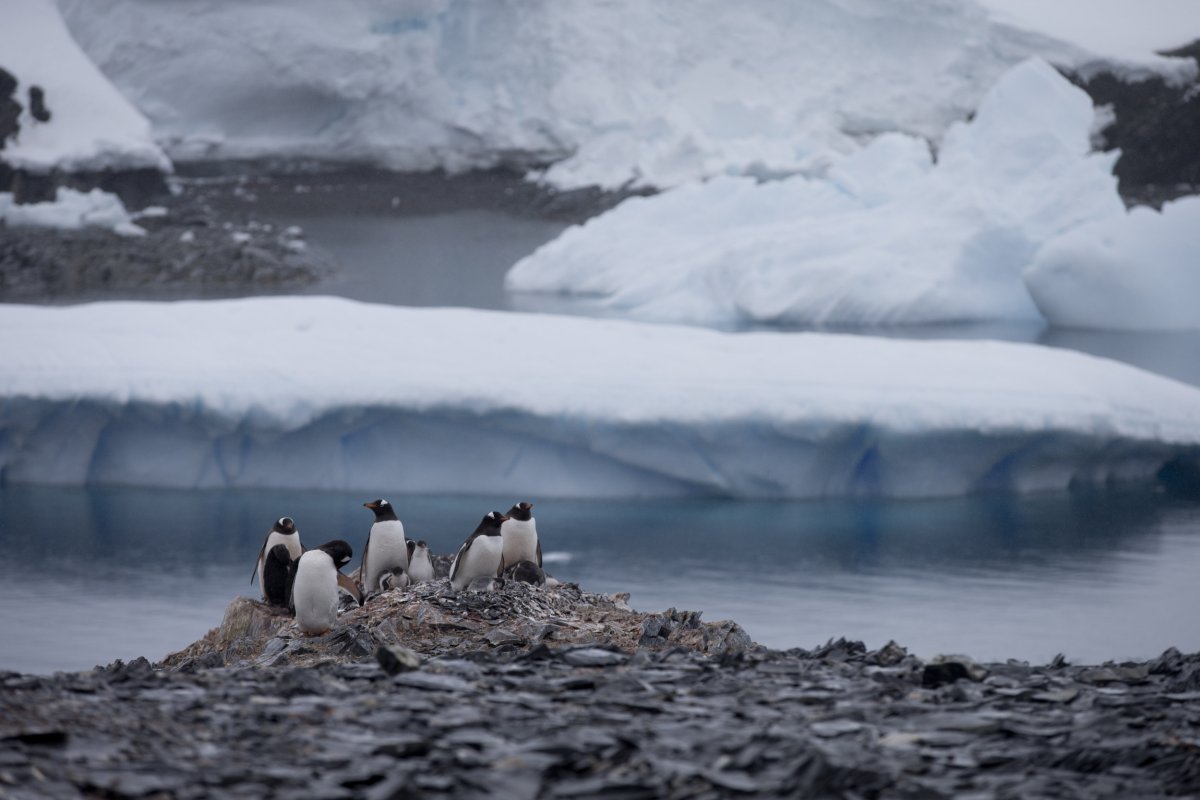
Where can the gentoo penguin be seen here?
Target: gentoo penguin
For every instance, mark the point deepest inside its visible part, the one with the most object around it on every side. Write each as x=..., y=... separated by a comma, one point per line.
x=279, y=570
x=420, y=565
x=386, y=547
x=520, y=536
x=526, y=572
x=315, y=589
x=282, y=532
x=482, y=554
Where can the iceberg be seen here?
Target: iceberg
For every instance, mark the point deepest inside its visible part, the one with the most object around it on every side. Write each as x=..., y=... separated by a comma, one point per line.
x=326, y=393
x=1140, y=271
x=91, y=126
x=641, y=93
x=887, y=237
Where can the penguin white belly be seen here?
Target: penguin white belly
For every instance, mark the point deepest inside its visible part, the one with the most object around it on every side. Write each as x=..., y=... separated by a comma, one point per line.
x=420, y=570
x=292, y=540
x=520, y=541
x=315, y=592
x=386, y=549
x=481, y=559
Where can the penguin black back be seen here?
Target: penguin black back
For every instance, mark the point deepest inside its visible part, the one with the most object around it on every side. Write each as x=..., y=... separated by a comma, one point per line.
x=279, y=571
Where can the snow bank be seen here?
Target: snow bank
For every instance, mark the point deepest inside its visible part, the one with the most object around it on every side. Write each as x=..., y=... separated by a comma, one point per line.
x=887, y=238
x=1138, y=272
x=71, y=209
x=648, y=92
x=91, y=127
x=329, y=393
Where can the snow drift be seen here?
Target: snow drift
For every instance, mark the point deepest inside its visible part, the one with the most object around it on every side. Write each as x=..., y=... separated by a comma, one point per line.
x=888, y=237
x=91, y=126
x=328, y=393
x=71, y=210
x=627, y=91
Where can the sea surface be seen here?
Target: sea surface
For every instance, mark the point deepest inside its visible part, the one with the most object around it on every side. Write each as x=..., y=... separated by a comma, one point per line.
x=94, y=574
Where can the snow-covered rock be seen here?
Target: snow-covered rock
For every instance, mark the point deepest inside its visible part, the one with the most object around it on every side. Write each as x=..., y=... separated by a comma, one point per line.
x=91, y=126
x=647, y=92
x=71, y=210
x=1138, y=272
x=887, y=237
x=329, y=393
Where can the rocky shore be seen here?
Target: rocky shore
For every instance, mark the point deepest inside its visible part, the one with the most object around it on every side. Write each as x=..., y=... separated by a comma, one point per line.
x=553, y=692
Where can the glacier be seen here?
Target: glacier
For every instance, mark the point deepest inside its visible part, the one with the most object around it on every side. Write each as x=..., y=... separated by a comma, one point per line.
x=92, y=127
x=887, y=237
x=625, y=93
x=326, y=393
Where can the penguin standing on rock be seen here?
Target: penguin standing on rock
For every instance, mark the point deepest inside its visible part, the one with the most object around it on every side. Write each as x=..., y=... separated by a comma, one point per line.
x=386, y=548
x=420, y=564
x=482, y=554
x=520, y=536
x=282, y=532
x=315, y=589
x=279, y=570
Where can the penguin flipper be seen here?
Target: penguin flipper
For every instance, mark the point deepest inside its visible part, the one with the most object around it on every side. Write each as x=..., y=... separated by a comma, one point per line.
x=539, y=552
x=362, y=568
x=500, y=570
x=462, y=551
x=262, y=552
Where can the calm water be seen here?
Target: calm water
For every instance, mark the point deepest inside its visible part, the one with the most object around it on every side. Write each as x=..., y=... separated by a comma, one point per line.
x=114, y=573
x=93, y=575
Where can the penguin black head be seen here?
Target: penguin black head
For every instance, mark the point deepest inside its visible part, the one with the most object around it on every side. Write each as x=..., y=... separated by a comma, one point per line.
x=490, y=524
x=521, y=511
x=284, y=525
x=526, y=572
x=383, y=510
x=421, y=543
x=339, y=550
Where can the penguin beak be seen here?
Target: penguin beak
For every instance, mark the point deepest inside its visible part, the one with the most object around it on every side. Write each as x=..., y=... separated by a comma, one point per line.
x=371, y=505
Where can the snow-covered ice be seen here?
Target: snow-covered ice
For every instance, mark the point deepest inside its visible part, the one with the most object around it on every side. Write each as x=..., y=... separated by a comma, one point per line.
x=91, y=126
x=642, y=92
x=330, y=393
x=71, y=209
x=887, y=237
x=1140, y=271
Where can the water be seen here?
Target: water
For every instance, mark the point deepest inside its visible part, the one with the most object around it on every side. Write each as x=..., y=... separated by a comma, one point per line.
x=115, y=573
x=91, y=575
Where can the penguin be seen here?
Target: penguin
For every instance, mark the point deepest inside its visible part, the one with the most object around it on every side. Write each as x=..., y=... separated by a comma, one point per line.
x=526, y=572
x=482, y=554
x=315, y=589
x=395, y=578
x=520, y=536
x=282, y=532
x=386, y=547
x=279, y=570
x=420, y=565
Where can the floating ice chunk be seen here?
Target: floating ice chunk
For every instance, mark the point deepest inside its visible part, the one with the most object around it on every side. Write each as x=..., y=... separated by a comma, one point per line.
x=1140, y=271
x=887, y=238
x=204, y=394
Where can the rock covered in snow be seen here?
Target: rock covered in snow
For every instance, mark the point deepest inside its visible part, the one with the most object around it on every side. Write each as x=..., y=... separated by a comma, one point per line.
x=888, y=237
x=222, y=393
x=86, y=125
x=71, y=210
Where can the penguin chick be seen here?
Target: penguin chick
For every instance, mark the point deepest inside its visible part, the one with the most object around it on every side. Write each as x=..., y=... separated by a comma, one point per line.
x=482, y=554
x=315, y=589
x=394, y=578
x=526, y=572
x=386, y=547
x=282, y=532
x=520, y=536
x=278, y=573
x=420, y=565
